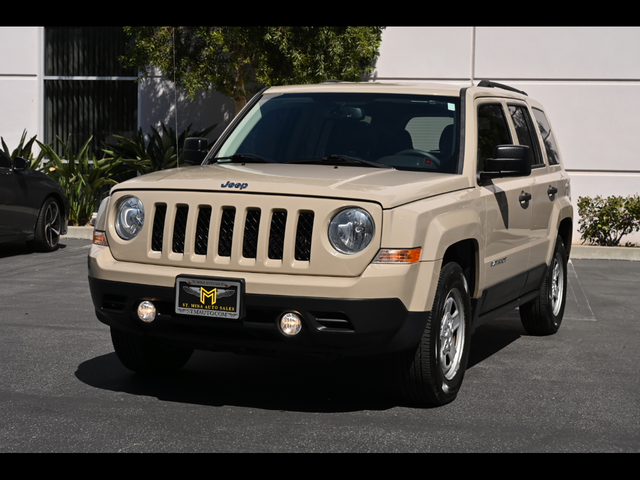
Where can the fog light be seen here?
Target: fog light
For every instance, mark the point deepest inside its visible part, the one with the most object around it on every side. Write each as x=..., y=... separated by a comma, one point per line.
x=290, y=324
x=147, y=311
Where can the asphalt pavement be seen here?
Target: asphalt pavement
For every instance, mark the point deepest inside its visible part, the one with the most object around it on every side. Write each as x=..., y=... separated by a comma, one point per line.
x=62, y=389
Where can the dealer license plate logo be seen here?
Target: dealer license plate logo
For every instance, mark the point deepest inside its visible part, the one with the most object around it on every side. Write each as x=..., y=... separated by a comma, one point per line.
x=208, y=297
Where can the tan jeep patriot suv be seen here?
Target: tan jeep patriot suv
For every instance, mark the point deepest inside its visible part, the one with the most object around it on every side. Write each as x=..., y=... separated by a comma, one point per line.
x=343, y=219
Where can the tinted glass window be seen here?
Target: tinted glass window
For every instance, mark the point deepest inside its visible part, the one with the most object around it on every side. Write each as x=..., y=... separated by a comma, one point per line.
x=547, y=137
x=407, y=132
x=87, y=91
x=493, y=130
x=524, y=130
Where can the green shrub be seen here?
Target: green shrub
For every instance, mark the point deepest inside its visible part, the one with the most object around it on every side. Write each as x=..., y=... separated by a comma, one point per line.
x=604, y=221
x=25, y=150
x=159, y=153
x=81, y=175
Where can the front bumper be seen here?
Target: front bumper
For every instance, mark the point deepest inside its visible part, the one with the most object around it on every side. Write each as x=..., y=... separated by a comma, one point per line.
x=383, y=310
x=332, y=326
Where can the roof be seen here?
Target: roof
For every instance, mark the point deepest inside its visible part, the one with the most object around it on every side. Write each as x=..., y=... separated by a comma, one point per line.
x=372, y=87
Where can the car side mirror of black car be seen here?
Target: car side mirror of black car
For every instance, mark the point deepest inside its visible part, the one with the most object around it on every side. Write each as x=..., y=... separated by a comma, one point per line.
x=20, y=164
x=508, y=161
x=195, y=150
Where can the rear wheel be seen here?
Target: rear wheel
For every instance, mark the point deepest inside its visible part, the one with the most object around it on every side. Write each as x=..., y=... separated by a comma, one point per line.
x=543, y=315
x=145, y=355
x=432, y=372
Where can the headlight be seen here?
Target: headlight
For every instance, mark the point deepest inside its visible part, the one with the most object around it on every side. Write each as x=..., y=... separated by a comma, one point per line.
x=129, y=217
x=351, y=230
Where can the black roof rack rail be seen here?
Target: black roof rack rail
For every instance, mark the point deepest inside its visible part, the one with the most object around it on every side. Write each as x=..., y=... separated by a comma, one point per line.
x=489, y=83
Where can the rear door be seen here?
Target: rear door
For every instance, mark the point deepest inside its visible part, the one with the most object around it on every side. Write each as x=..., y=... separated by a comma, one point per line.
x=543, y=185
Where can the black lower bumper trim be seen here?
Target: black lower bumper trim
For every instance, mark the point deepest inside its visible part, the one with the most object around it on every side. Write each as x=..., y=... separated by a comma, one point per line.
x=342, y=327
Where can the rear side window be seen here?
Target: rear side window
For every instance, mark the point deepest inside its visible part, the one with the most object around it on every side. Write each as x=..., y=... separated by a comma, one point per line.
x=526, y=133
x=547, y=137
x=492, y=131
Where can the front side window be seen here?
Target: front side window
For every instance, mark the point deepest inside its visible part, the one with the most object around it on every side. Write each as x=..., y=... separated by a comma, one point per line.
x=407, y=132
x=493, y=130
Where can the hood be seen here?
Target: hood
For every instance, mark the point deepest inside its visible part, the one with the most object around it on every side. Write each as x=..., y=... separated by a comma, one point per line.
x=387, y=187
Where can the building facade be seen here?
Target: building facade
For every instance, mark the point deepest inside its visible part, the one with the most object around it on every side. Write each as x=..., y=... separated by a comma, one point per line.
x=588, y=78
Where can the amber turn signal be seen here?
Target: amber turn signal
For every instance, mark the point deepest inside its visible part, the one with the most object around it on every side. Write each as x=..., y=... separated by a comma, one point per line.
x=100, y=238
x=408, y=255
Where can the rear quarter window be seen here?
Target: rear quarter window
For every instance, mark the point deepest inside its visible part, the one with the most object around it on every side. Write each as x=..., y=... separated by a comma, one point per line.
x=547, y=137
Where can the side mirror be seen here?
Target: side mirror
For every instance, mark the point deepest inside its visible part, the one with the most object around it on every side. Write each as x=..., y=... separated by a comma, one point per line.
x=195, y=149
x=508, y=161
x=20, y=164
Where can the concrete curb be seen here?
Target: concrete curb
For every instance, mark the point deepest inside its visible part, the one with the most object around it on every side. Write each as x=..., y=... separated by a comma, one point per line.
x=605, y=253
x=577, y=251
x=79, y=232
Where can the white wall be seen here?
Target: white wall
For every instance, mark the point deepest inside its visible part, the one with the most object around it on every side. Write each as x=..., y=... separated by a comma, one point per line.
x=20, y=103
x=159, y=103
x=588, y=79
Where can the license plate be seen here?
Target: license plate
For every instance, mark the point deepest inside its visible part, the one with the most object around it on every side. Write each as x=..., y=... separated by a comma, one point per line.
x=209, y=297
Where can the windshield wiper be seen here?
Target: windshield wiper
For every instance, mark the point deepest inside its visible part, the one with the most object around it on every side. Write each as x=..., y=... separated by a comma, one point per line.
x=335, y=159
x=242, y=157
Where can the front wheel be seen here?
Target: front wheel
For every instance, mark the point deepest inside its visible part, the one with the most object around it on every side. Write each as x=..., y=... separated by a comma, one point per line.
x=48, y=227
x=145, y=355
x=543, y=315
x=432, y=372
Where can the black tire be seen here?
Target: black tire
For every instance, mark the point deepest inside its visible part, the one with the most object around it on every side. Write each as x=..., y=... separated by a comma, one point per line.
x=432, y=372
x=144, y=355
x=543, y=315
x=48, y=227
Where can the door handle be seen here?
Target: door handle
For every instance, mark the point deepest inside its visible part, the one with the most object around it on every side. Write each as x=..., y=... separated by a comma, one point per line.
x=524, y=197
x=551, y=192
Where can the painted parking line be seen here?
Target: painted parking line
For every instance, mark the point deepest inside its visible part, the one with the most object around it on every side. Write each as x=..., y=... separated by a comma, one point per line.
x=578, y=307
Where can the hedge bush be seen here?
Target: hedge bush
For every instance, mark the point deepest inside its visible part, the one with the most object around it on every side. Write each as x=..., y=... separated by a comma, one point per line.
x=604, y=221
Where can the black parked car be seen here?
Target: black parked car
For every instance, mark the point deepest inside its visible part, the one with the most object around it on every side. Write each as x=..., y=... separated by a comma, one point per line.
x=33, y=207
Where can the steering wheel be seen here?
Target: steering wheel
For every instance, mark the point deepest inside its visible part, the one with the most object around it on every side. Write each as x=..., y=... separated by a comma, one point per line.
x=420, y=153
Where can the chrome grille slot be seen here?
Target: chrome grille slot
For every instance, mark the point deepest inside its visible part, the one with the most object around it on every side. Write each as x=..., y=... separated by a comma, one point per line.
x=276, y=234
x=180, y=229
x=225, y=238
x=158, y=228
x=251, y=232
x=303, y=236
x=202, y=231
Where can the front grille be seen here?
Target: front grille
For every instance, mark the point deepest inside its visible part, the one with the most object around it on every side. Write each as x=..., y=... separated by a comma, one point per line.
x=220, y=229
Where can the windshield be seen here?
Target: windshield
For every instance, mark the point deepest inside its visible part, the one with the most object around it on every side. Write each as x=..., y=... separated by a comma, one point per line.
x=406, y=132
